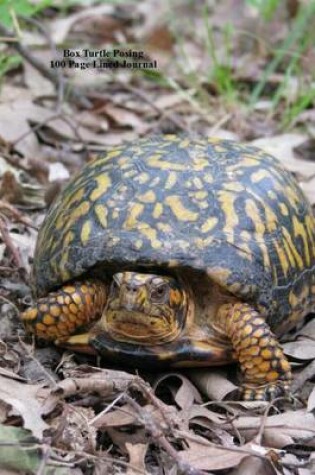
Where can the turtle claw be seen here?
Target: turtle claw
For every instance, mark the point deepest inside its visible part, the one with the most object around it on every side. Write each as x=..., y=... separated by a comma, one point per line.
x=266, y=392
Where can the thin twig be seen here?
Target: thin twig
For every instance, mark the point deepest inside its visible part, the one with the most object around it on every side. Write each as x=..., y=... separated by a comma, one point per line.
x=52, y=46
x=17, y=215
x=10, y=245
x=73, y=93
x=159, y=438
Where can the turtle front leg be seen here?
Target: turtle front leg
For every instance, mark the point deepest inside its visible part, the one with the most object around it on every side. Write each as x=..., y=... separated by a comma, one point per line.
x=266, y=371
x=64, y=315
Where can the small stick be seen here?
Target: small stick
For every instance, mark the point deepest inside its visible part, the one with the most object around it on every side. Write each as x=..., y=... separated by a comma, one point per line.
x=160, y=439
x=73, y=92
x=17, y=215
x=9, y=244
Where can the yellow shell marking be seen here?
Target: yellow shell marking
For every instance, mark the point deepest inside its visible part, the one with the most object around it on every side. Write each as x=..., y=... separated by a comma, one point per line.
x=101, y=214
x=208, y=178
x=148, y=197
x=233, y=187
x=103, y=183
x=156, y=162
x=297, y=256
x=68, y=203
x=299, y=230
x=179, y=210
x=134, y=212
x=253, y=212
x=282, y=258
x=198, y=183
x=171, y=180
x=68, y=238
x=166, y=228
x=214, y=140
x=138, y=244
x=227, y=199
x=209, y=224
x=143, y=178
x=283, y=209
x=199, y=195
x=271, y=194
x=309, y=225
x=107, y=157
x=259, y=175
x=158, y=210
x=150, y=233
x=271, y=219
x=184, y=143
x=77, y=213
x=85, y=232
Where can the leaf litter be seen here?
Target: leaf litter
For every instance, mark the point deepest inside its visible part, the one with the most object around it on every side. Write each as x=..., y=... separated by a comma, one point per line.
x=58, y=415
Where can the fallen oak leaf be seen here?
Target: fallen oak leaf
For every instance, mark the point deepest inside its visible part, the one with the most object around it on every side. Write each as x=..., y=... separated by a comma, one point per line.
x=311, y=401
x=297, y=424
x=303, y=349
x=136, y=454
x=213, y=383
x=204, y=455
x=250, y=465
x=24, y=401
x=282, y=147
x=185, y=394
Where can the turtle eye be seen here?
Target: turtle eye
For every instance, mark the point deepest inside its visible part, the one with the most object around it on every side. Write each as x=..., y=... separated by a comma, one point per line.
x=114, y=286
x=160, y=293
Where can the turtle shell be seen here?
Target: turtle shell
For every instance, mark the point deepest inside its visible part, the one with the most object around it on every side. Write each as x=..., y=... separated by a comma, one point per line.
x=221, y=208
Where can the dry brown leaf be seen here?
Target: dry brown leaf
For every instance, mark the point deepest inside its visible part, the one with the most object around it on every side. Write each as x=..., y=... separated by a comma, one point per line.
x=121, y=416
x=160, y=38
x=37, y=84
x=282, y=147
x=25, y=244
x=275, y=439
x=311, y=401
x=302, y=349
x=15, y=119
x=23, y=399
x=185, y=394
x=308, y=187
x=213, y=383
x=198, y=412
x=252, y=465
x=60, y=29
x=14, y=125
x=74, y=430
x=126, y=118
x=92, y=121
x=136, y=454
x=4, y=411
x=168, y=101
x=205, y=456
x=308, y=330
x=297, y=424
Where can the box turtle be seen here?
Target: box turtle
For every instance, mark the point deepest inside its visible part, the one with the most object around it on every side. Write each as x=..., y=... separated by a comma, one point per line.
x=178, y=252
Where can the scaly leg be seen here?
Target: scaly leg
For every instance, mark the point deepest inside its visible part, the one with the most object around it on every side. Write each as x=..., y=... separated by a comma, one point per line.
x=63, y=313
x=266, y=371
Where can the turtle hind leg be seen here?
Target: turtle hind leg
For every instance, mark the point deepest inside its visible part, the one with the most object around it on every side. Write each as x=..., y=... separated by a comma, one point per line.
x=65, y=312
x=266, y=371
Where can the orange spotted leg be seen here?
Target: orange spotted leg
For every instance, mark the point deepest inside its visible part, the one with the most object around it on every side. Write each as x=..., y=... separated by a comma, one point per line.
x=70, y=310
x=266, y=371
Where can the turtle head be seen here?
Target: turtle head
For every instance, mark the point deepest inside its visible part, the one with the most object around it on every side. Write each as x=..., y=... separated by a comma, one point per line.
x=145, y=308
